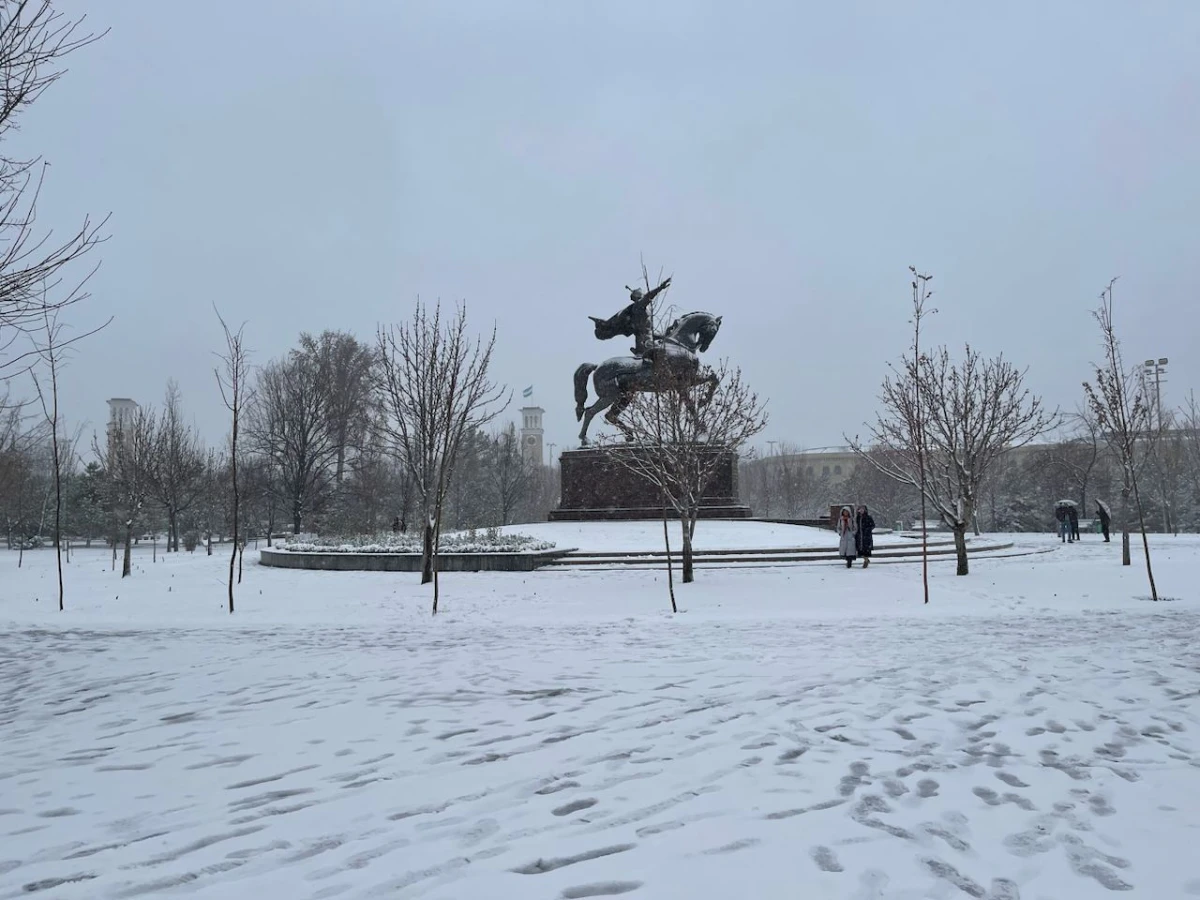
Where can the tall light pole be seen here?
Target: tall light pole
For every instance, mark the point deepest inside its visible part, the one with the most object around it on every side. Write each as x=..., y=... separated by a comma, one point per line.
x=772, y=444
x=1156, y=369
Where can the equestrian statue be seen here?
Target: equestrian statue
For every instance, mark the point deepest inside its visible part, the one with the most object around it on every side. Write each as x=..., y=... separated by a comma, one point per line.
x=659, y=362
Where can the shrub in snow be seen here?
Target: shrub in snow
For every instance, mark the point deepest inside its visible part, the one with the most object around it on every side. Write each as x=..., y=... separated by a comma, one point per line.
x=491, y=541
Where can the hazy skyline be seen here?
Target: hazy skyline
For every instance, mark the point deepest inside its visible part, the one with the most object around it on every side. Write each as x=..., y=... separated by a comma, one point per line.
x=308, y=167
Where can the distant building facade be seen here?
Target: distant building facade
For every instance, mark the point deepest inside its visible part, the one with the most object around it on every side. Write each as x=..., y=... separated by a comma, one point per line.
x=121, y=414
x=532, y=435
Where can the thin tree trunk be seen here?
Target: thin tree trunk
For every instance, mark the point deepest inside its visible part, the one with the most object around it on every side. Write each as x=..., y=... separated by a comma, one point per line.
x=960, y=549
x=670, y=567
x=1126, y=558
x=127, y=563
x=234, y=552
x=57, y=503
x=427, y=556
x=686, y=556
x=1145, y=541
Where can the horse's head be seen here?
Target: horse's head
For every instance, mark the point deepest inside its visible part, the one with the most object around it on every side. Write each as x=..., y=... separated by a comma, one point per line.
x=695, y=331
x=708, y=331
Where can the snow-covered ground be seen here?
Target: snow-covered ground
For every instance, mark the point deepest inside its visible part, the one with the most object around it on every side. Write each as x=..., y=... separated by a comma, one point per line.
x=801, y=732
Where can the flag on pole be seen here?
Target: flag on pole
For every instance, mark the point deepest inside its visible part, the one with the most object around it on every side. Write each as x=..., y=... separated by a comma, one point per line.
x=528, y=392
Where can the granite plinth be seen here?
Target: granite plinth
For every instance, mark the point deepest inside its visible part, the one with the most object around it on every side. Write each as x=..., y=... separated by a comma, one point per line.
x=598, y=487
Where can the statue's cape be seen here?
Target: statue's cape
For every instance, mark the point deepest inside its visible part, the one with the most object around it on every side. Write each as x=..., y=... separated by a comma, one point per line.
x=619, y=324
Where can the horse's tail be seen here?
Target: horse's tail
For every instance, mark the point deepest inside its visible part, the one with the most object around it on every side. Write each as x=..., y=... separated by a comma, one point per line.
x=581, y=392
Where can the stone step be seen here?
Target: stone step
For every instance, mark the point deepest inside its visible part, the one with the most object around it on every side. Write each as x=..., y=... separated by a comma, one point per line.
x=756, y=557
x=751, y=551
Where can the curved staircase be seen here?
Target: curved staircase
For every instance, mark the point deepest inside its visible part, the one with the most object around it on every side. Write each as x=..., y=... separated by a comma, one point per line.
x=887, y=554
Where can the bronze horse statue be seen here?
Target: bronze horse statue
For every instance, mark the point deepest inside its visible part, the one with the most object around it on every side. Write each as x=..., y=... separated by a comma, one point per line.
x=672, y=363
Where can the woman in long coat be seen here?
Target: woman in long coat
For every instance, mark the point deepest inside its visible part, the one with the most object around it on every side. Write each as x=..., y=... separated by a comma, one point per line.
x=864, y=533
x=846, y=544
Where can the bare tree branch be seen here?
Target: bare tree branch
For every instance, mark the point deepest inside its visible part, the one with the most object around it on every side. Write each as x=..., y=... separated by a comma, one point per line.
x=34, y=40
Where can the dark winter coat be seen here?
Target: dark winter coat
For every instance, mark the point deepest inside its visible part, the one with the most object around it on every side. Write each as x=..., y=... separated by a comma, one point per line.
x=1105, y=518
x=864, y=534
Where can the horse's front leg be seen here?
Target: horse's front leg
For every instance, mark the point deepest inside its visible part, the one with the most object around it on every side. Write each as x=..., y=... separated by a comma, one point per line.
x=613, y=417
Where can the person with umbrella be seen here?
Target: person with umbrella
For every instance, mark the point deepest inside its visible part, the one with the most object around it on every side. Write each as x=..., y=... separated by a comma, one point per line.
x=1063, y=511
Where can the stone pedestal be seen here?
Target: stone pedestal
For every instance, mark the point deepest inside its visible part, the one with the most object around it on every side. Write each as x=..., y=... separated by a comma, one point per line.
x=595, y=487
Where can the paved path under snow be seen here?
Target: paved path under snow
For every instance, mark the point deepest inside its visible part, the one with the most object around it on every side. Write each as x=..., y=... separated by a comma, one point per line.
x=989, y=758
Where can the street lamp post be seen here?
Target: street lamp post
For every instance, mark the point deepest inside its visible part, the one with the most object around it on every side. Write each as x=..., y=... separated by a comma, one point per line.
x=1156, y=369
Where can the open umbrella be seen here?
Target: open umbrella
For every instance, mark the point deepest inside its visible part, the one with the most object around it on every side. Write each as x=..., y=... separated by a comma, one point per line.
x=1065, y=503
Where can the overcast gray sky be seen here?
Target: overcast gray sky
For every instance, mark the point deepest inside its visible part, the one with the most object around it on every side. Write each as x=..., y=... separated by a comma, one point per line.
x=318, y=165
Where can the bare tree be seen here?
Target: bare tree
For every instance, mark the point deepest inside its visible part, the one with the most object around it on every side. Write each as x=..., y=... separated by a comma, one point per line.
x=21, y=484
x=1075, y=458
x=232, y=379
x=435, y=387
x=890, y=500
x=1189, y=427
x=952, y=422
x=34, y=40
x=681, y=435
x=50, y=347
x=1125, y=416
x=127, y=458
x=512, y=475
x=344, y=367
x=288, y=424
x=177, y=479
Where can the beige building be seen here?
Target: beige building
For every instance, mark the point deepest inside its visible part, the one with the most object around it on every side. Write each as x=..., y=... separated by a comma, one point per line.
x=121, y=413
x=834, y=463
x=532, y=435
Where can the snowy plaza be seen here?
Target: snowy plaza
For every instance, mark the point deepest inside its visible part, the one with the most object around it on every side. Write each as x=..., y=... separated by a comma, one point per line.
x=796, y=731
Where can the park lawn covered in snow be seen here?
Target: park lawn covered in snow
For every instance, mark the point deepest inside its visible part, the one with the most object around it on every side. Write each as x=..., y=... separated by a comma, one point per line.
x=805, y=731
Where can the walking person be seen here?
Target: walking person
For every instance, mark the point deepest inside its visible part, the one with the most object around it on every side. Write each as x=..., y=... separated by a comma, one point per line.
x=1073, y=522
x=1060, y=513
x=864, y=534
x=846, y=534
x=1105, y=517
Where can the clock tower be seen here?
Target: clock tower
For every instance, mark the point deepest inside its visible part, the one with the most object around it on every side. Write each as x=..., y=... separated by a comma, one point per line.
x=532, y=435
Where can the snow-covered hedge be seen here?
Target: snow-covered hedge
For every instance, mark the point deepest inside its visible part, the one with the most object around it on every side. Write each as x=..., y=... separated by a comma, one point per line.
x=490, y=541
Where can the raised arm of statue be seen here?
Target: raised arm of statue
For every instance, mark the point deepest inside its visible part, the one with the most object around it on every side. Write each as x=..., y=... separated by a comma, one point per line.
x=654, y=292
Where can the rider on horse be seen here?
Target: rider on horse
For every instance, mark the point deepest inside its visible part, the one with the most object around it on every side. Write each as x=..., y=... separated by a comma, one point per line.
x=633, y=321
